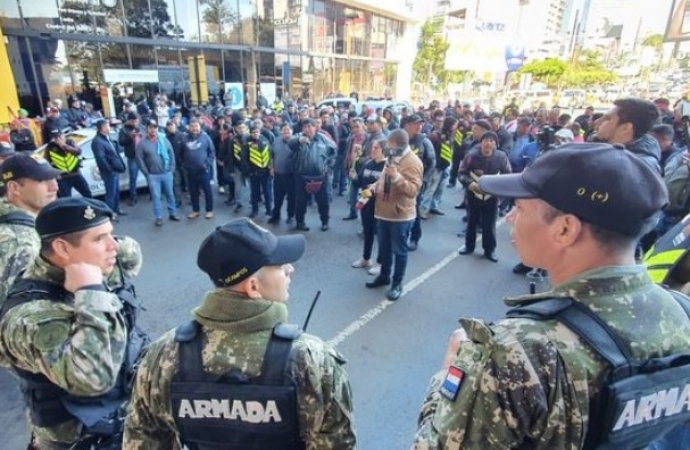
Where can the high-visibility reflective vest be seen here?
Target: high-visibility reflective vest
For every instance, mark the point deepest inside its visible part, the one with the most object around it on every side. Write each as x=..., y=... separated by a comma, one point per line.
x=458, y=138
x=237, y=144
x=62, y=160
x=668, y=251
x=259, y=154
x=446, y=152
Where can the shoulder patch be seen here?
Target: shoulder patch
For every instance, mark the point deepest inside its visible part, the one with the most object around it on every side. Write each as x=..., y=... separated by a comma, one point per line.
x=452, y=383
x=51, y=335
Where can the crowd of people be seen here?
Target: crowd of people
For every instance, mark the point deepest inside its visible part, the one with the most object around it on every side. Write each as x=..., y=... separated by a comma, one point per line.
x=581, y=195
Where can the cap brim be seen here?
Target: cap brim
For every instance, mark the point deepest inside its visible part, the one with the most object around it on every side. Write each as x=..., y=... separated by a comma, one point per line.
x=289, y=249
x=47, y=173
x=509, y=185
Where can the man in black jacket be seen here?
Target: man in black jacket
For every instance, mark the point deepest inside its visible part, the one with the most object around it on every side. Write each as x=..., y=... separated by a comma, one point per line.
x=129, y=137
x=314, y=155
x=176, y=139
x=110, y=165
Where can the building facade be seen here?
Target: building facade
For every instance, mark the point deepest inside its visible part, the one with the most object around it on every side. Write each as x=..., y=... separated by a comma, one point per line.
x=307, y=48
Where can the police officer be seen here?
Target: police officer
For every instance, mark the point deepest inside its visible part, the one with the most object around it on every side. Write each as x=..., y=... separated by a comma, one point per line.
x=26, y=185
x=68, y=335
x=525, y=383
x=237, y=376
x=65, y=156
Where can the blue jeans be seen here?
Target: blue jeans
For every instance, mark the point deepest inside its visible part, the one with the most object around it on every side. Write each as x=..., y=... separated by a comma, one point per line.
x=111, y=183
x=162, y=183
x=196, y=181
x=434, y=191
x=393, y=243
x=133, y=172
x=353, y=193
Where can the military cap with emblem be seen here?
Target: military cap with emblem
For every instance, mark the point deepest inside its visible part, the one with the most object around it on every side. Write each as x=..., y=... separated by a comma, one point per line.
x=238, y=249
x=601, y=184
x=71, y=214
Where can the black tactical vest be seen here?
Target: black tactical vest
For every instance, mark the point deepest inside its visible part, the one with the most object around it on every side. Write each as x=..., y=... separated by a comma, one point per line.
x=50, y=405
x=233, y=411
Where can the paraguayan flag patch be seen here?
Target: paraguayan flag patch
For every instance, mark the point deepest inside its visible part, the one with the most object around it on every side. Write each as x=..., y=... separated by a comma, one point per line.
x=451, y=384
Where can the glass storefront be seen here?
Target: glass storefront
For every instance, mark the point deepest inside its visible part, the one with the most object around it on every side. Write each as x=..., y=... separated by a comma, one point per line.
x=306, y=48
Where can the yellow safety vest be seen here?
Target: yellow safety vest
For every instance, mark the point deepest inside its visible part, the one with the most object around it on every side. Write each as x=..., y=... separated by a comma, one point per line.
x=458, y=138
x=446, y=153
x=668, y=251
x=61, y=160
x=237, y=149
x=278, y=107
x=259, y=157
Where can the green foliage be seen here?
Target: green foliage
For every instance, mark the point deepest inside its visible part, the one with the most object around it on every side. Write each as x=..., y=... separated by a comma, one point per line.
x=545, y=70
x=655, y=41
x=429, y=63
x=583, y=71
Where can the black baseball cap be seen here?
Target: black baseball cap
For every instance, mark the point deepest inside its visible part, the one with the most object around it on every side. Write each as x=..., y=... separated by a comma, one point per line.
x=131, y=116
x=489, y=135
x=602, y=184
x=415, y=118
x=71, y=214
x=21, y=165
x=238, y=249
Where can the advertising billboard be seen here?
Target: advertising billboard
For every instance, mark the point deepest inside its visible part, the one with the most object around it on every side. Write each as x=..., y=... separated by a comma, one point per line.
x=678, y=27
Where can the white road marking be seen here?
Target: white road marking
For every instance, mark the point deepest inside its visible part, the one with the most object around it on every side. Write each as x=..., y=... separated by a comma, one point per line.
x=370, y=315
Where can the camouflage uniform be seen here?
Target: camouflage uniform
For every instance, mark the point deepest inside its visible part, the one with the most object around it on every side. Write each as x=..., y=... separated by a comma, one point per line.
x=236, y=331
x=528, y=384
x=19, y=245
x=79, y=346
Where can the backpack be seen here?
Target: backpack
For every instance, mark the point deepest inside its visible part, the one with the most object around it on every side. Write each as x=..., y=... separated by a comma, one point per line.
x=678, y=186
x=17, y=218
x=640, y=401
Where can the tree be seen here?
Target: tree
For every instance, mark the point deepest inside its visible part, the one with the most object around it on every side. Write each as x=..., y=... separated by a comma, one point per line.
x=218, y=18
x=545, y=70
x=429, y=63
x=584, y=70
x=656, y=41
x=140, y=21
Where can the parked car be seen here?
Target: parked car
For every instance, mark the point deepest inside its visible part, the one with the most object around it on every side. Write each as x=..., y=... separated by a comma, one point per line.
x=338, y=102
x=395, y=105
x=83, y=139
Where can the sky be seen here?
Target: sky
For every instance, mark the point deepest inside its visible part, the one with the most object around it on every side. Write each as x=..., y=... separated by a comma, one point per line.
x=654, y=13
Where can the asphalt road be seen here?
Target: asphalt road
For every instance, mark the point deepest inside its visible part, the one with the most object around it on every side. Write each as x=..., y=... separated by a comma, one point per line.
x=392, y=348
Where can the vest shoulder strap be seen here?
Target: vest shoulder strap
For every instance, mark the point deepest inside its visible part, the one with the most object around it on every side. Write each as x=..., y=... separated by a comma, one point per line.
x=25, y=290
x=277, y=352
x=190, y=365
x=17, y=218
x=587, y=325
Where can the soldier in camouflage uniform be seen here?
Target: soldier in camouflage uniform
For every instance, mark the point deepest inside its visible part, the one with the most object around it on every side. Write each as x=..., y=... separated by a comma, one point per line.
x=76, y=344
x=522, y=383
x=251, y=270
x=26, y=186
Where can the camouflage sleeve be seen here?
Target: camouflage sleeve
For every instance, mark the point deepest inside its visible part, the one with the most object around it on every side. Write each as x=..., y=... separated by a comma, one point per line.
x=129, y=259
x=509, y=396
x=16, y=252
x=78, y=347
x=149, y=424
x=325, y=397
